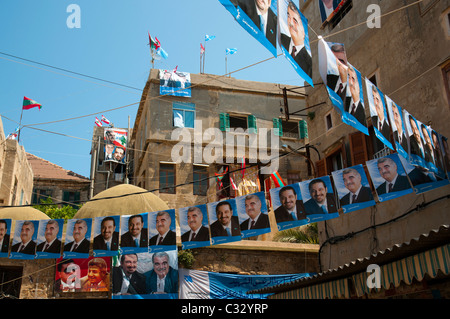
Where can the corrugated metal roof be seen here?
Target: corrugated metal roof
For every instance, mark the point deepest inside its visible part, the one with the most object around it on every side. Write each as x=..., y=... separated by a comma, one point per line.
x=433, y=239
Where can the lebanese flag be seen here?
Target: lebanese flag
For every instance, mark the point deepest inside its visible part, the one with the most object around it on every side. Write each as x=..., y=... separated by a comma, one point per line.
x=97, y=121
x=105, y=120
x=29, y=104
x=277, y=180
x=202, y=49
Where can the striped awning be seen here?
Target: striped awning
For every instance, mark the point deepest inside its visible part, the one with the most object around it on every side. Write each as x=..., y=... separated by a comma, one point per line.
x=406, y=269
x=327, y=290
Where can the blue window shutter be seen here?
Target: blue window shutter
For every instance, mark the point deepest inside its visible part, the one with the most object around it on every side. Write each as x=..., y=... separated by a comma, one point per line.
x=224, y=122
x=278, y=126
x=303, y=129
x=252, y=124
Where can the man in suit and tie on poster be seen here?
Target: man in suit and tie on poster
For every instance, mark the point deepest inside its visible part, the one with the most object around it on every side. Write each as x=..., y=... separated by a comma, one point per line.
x=393, y=181
x=291, y=208
x=295, y=43
x=126, y=279
x=226, y=224
x=261, y=14
x=26, y=245
x=51, y=243
x=353, y=104
x=257, y=219
x=399, y=135
x=338, y=82
x=4, y=236
x=108, y=239
x=79, y=244
x=357, y=192
x=379, y=121
x=428, y=146
x=415, y=141
x=137, y=235
x=197, y=231
x=165, y=235
x=321, y=201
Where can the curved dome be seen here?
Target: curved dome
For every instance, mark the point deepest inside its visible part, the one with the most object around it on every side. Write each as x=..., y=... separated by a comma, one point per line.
x=22, y=213
x=125, y=205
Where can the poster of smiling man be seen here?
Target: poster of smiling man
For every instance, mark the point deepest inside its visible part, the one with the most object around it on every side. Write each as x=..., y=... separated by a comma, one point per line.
x=389, y=178
x=162, y=231
x=224, y=222
x=253, y=214
x=174, y=83
x=319, y=199
x=353, y=188
x=106, y=236
x=288, y=206
x=24, y=240
x=416, y=150
x=49, y=238
x=194, y=226
x=5, y=235
x=378, y=114
x=293, y=37
x=115, y=144
x=78, y=238
x=258, y=18
x=398, y=127
x=134, y=233
x=428, y=146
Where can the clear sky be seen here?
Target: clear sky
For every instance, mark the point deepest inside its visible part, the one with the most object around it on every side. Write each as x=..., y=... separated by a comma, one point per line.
x=111, y=44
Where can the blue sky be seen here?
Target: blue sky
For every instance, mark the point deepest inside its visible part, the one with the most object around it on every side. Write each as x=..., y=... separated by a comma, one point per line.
x=111, y=45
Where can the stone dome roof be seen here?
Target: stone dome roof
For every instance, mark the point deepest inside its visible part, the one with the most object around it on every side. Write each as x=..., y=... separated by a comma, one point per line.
x=110, y=202
x=22, y=213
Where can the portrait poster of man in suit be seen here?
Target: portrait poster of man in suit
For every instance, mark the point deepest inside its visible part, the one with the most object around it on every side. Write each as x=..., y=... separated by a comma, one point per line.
x=49, y=238
x=78, y=238
x=327, y=7
x=162, y=278
x=428, y=147
x=5, y=236
x=162, y=230
x=134, y=233
x=106, y=236
x=378, y=114
x=288, y=206
x=253, y=214
x=353, y=188
x=224, y=222
x=24, y=240
x=319, y=199
x=258, y=18
x=194, y=226
x=438, y=153
x=398, y=127
x=115, y=144
x=416, y=149
x=294, y=38
x=389, y=177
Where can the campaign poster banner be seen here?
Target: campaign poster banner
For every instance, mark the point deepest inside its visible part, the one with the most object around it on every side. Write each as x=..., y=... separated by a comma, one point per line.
x=151, y=276
x=197, y=284
x=293, y=38
x=415, y=143
x=328, y=8
x=49, y=238
x=422, y=179
x=106, y=236
x=440, y=154
x=24, y=240
x=162, y=231
x=134, y=233
x=398, y=127
x=5, y=236
x=174, y=83
x=258, y=18
x=389, y=177
x=194, y=226
x=288, y=206
x=115, y=144
x=378, y=114
x=319, y=199
x=353, y=188
x=253, y=214
x=354, y=107
x=224, y=222
x=90, y=274
x=428, y=147
x=445, y=153
x=78, y=238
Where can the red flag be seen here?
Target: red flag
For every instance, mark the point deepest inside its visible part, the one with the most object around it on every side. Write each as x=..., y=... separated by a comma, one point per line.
x=202, y=49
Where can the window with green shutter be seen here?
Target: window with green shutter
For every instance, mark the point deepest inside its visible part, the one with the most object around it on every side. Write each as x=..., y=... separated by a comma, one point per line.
x=278, y=126
x=252, y=128
x=224, y=122
x=303, y=128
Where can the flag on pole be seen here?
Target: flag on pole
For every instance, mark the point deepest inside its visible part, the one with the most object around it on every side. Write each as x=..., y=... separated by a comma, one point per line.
x=209, y=37
x=98, y=122
x=220, y=176
x=155, y=46
x=29, y=103
x=231, y=51
x=278, y=181
x=202, y=49
x=233, y=184
x=105, y=120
